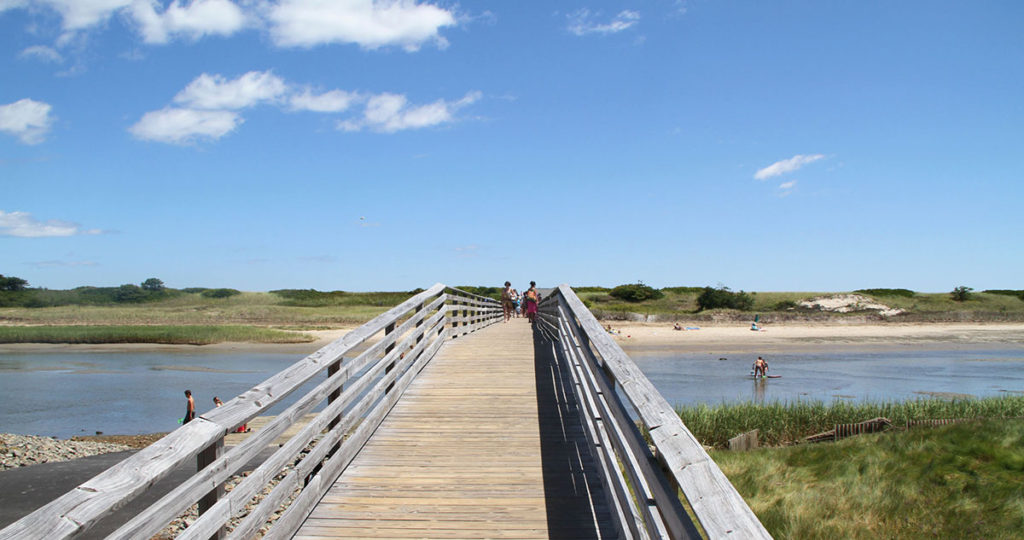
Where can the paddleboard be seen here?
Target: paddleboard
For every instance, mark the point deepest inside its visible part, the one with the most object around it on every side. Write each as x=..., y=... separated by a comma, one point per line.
x=766, y=377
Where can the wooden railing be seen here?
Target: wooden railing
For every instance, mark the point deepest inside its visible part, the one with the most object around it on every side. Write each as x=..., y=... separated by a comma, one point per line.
x=643, y=483
x=366, y=372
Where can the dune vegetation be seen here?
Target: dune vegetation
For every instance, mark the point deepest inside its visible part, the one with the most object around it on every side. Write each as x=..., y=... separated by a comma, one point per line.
x=952, y=481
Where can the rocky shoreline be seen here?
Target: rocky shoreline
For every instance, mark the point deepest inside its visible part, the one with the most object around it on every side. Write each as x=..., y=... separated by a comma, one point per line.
x=26, y=450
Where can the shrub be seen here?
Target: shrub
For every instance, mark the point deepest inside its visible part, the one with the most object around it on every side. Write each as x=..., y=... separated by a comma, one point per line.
x=194, y=290
x=12, y=283
x=128, y=293
x=961, y=294
x=906, y=293
x=723, y=298
x=153, y=284
x=219, y=293
x=636, y=292
x=683, y=290
x=1006, y=292
x=784, y=305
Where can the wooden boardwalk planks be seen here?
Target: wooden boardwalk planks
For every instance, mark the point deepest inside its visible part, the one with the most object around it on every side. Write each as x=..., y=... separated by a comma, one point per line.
x=484, y=444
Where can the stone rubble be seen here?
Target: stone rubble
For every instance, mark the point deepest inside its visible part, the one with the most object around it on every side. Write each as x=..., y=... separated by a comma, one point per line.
x=25, y=450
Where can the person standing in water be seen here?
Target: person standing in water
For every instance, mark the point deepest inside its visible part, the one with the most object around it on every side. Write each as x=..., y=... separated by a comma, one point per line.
x=190, y=408
x=760, y=367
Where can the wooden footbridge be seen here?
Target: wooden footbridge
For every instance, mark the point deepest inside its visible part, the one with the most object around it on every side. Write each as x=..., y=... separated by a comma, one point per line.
x=434, y=420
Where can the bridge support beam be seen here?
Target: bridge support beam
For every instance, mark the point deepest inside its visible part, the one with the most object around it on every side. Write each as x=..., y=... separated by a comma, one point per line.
x=204, y=459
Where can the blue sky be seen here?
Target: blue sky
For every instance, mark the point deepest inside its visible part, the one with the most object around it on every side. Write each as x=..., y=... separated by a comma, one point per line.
x=358, y=145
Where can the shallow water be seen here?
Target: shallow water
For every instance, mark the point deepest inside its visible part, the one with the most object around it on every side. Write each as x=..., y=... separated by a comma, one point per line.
x=686, y=379
x=67, y=394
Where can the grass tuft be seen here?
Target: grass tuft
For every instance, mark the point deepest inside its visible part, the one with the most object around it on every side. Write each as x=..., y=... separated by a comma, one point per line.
x=955, y=481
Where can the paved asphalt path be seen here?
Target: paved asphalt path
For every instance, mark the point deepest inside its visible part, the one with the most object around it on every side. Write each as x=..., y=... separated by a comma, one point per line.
x=25, y=489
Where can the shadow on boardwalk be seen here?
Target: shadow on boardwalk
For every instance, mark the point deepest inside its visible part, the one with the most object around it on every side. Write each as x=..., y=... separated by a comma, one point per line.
x=575, y=497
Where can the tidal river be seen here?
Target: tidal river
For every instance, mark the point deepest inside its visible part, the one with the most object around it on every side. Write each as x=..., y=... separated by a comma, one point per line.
x=80, y=393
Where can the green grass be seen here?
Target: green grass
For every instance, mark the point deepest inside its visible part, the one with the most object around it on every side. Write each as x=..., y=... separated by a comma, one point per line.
x=247, y=308
x=956, y=481
x=681, y=303
x=176, y=335
x=787, y=422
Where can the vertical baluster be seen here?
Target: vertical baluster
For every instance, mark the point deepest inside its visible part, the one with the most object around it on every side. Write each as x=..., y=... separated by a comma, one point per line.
x=203, y=459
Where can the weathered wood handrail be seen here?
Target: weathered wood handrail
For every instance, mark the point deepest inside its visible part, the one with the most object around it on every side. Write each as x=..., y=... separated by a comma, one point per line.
x=601, y=372
x=357, y=394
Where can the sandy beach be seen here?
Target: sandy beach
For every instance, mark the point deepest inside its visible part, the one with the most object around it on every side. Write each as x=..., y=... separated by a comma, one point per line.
x=735, y=338
x=715, y=338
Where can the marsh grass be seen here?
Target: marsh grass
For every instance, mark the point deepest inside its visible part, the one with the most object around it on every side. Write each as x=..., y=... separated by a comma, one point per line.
x=247, y=308
x=955, y=481
x=175, y=335
x=780, y=423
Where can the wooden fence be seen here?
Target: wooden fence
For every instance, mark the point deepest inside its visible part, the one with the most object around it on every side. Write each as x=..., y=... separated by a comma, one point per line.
x=366, y=372
x=643, y=483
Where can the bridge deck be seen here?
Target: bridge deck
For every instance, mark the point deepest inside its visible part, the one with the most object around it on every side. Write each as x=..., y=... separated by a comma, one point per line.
x=485, y=443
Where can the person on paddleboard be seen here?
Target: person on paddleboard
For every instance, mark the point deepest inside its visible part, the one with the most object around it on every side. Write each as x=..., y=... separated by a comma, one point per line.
x=760, y=367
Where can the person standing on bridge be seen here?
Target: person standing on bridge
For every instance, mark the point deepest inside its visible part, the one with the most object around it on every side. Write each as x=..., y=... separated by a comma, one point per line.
x=532, y=298
x=506, y=300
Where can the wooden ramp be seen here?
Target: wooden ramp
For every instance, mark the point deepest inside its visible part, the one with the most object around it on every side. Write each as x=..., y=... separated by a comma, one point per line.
x=484, y=444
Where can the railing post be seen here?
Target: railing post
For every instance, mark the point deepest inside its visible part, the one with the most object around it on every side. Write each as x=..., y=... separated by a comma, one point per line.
x=387, y=330
x=455, y=323
x=419, y=338
x=203, y=459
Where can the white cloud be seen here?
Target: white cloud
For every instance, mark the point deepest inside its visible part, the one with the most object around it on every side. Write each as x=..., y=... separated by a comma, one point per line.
x=369, y=23
x=333, y=101
x=388, y=113
x=206, y=108
x=197, y=19
x=26, y=119
x=42, y=52
x=22, y=224
x=216, y=92
x=82, y=14
x=788, y=185
x=786, y=166
x=182, y=126
x=583, y=22
x=12, y=4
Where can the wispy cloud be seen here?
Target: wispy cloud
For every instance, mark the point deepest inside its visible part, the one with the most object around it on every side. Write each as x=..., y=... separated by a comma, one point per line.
x=185, y=126
x=26, y=119
x=216, y=92
x=467, y=252
x=207, y=108
x=388, y=113
x=327, y=102
x=583, y=22
x=786, y=166
x=788, y=185
x=23, y=225
x=43, y=53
